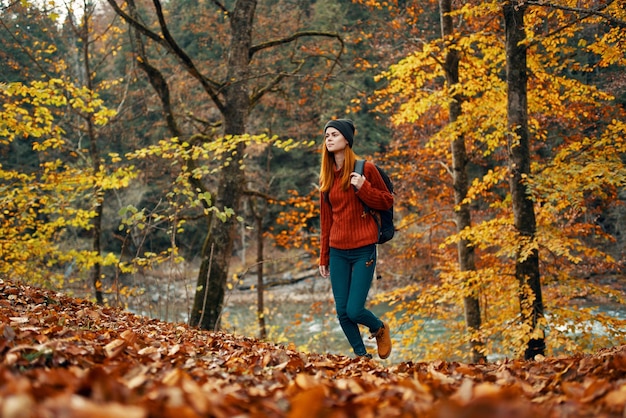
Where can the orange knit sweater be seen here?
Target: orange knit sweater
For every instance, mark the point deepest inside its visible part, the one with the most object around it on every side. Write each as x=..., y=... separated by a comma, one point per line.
x=344, y=222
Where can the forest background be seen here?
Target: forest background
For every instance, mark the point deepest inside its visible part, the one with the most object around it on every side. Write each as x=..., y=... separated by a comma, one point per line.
x=156, y=155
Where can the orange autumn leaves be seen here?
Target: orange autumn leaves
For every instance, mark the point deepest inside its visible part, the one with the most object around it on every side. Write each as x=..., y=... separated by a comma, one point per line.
x=70, y=358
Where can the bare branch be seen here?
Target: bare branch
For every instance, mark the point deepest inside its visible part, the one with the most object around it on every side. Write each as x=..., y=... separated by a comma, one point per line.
x=208, y=85
x=282, y=41
x=8, y=6
x=257, y=193
x=168, y=42
x=136, y=24
x=221, y=6
x=585, y=12
x=274, y=82
x=270, y=44
x=155, y=77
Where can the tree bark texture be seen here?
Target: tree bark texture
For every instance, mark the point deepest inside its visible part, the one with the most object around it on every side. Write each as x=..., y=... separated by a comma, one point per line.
x=155, y=77
x=460, y=179
x=211, y=284
x=527, y=256
x=260, y=287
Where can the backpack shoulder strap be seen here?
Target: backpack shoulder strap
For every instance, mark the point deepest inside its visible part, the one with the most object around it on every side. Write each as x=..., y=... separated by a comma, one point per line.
x=359, y=166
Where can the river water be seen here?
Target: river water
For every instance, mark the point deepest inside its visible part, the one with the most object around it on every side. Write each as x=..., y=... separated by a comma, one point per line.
x=304, y=315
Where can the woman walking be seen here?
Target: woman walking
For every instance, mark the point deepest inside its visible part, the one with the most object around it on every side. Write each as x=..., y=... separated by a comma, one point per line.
x=349, y=234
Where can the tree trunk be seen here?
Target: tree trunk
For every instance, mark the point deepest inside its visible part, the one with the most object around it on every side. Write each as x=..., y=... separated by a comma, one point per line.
x=232, y=98
x=527, y=256
x=260, y=289
x=94, y=154
x=211, y=284
x=459, y=165
x=218, y=244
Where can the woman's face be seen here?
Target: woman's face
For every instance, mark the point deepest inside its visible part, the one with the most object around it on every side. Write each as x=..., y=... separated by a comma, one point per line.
x=334, y=140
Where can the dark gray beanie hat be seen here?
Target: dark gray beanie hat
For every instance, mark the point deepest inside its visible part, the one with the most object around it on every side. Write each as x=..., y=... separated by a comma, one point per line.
x=345, y=126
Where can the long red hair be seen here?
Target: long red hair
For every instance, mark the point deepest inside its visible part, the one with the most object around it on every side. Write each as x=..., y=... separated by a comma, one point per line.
x=327, y=170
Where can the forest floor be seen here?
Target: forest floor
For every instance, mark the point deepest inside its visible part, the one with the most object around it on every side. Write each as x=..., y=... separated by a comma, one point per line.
x=66, y=357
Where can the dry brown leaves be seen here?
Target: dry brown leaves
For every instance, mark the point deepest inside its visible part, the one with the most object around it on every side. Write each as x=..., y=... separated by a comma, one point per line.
x=63, y=357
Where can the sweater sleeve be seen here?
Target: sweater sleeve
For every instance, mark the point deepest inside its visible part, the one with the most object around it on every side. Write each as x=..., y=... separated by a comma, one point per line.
x=374, y=192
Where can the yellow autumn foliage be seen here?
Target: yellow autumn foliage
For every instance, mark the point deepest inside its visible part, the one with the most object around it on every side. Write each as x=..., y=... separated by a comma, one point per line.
x=578, y=158
x=40, y=208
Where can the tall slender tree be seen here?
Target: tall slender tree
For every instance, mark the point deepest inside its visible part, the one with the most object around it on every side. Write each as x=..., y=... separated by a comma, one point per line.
x=460, y=180
x=82, y=32
x=518, y=141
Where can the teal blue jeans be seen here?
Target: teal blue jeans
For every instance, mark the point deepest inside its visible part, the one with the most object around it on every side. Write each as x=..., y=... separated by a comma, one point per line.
x=351, y=274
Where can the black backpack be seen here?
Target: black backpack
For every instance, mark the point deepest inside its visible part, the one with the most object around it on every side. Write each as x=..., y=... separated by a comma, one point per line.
x=383, y=218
